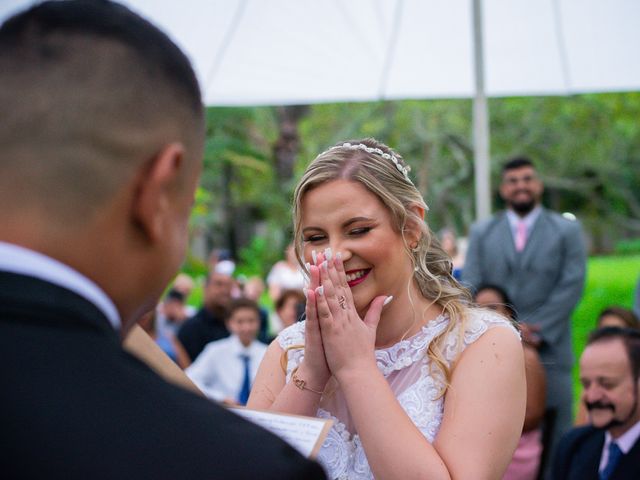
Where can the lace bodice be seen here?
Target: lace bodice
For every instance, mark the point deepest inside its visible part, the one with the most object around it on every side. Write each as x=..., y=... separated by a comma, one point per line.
x=406, y=368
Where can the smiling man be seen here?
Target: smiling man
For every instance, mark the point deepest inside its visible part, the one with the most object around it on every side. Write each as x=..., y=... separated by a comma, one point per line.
x=538, y=257
x=609, y=448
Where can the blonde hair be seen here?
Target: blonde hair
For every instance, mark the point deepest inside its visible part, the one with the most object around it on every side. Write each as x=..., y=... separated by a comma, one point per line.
x=382, y=177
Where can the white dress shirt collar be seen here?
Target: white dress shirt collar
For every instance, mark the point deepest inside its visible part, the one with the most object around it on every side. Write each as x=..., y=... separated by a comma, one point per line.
x=23, y=261
x=529, y=220
x=239, y=349
x=626, y=441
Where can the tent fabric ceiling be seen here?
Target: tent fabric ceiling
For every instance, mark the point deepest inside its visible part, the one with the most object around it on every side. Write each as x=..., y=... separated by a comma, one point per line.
x=271, y=52
x=256, y=52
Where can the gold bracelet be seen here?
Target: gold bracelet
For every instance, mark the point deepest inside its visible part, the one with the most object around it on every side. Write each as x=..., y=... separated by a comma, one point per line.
x=301, y=384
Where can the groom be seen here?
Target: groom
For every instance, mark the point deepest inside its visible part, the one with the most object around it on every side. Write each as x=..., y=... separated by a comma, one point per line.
x=101, y=137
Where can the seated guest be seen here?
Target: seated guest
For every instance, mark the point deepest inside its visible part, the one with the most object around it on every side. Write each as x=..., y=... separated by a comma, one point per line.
x=612, y=316
x=289, y=308
x=285, y=274
x=166, y=341
x=449, y=244
x=184, y=284
x=615, y=316
x=171, y=313
x=102, y=134
x=253, y=289
x=225, y=369
x=526, y=459
x=608, y=448
x=208, y=324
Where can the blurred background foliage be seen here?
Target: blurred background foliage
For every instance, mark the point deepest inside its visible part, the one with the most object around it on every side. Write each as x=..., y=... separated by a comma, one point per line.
x=586, y=147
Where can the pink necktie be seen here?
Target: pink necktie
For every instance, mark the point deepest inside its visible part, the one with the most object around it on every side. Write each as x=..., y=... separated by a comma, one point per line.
x=521, y=236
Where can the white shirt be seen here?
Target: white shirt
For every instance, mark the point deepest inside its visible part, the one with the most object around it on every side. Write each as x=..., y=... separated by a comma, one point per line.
x=529, y=220
x=23, y=261
x=626, y=441
x=219, y=370
x=282, y=275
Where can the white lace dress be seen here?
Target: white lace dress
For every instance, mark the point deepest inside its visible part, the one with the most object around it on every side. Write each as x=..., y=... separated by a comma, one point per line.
x=406, y=369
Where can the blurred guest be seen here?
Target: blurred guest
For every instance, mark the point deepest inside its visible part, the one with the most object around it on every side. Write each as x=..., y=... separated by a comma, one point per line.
x=221, y=261
x=208, y=324
x=166, y=341
x=218, y=255
x=171, y=313
x=612, y=316
x=608, y=448
x=253, y=289
x=225, y=369
x=526, y=459
x=615, y=316
x=285, y=275
x=539, y=258
x=184, y=284
x=289, y=308
x=449, y=244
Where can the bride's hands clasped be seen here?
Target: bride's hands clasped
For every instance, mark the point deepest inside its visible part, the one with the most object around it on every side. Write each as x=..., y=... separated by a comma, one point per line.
x=348, y=341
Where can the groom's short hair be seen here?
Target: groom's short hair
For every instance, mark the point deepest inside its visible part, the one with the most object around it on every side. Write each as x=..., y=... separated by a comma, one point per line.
x=89, y=90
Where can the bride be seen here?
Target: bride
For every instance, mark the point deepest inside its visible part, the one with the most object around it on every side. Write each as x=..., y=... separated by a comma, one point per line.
x=419, y=383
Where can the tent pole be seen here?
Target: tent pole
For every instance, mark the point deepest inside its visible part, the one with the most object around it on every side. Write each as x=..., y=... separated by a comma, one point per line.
x=480, y=121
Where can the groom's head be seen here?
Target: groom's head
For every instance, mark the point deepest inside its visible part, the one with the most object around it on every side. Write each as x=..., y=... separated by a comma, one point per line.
x=101, y=133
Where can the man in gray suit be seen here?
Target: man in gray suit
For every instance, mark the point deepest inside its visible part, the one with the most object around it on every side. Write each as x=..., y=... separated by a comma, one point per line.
x=539, y=258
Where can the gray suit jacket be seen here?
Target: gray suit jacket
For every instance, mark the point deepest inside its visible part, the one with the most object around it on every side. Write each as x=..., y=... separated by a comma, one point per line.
x=544, y=281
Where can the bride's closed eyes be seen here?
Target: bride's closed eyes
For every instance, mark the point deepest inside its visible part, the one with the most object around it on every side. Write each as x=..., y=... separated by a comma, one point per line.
x=352, y=232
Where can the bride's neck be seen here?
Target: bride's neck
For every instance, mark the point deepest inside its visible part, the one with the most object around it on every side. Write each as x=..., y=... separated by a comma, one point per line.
x=402, y=319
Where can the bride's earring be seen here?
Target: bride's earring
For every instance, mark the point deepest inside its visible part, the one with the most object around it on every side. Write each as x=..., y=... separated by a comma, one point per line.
x=414, y=250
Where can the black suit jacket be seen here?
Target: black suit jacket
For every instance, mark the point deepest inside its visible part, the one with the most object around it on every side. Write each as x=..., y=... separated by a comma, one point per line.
x=197, y=331
x=578, y=457
x=74, y=405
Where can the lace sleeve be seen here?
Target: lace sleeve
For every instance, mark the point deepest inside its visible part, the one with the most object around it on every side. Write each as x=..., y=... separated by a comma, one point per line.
x=291, y=339
x=478, y=322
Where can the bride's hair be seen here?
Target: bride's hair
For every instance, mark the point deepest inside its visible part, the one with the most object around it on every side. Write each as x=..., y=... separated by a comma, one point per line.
x=384, y=173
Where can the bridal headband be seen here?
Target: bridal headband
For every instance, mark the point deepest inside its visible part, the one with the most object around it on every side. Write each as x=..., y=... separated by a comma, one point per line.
x=404, y=169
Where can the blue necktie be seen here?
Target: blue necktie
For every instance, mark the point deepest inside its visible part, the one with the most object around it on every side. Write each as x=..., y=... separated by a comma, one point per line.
x=615, y=454
x=243, y=396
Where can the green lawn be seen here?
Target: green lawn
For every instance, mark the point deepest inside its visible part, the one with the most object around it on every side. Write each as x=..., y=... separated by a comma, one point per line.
x=611, y=280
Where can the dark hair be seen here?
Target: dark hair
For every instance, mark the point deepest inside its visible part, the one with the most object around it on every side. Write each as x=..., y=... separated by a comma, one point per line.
x=517, y=162
x=31, y=32
x=505, y=300
x=282, y=299
x=175, y=295
x=239, y=303
x=90, y=91
x=624, y=314
x=630, y=338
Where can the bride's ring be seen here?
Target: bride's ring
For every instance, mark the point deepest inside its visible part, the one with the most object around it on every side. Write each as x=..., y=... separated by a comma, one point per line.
x=342, y=302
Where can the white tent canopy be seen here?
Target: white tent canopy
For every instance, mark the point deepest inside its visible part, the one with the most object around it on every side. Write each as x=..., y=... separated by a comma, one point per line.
x=272, y=52
x=276, y=52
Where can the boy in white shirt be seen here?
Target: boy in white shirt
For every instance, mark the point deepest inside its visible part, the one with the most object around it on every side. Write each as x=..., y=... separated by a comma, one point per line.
x=225, y=369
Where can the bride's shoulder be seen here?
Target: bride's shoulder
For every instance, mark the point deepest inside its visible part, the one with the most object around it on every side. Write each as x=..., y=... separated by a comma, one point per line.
x=480, y=320
x=476, y=322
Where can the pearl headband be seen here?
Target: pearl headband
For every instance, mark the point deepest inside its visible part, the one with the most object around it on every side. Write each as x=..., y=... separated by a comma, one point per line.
x=404, y=170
